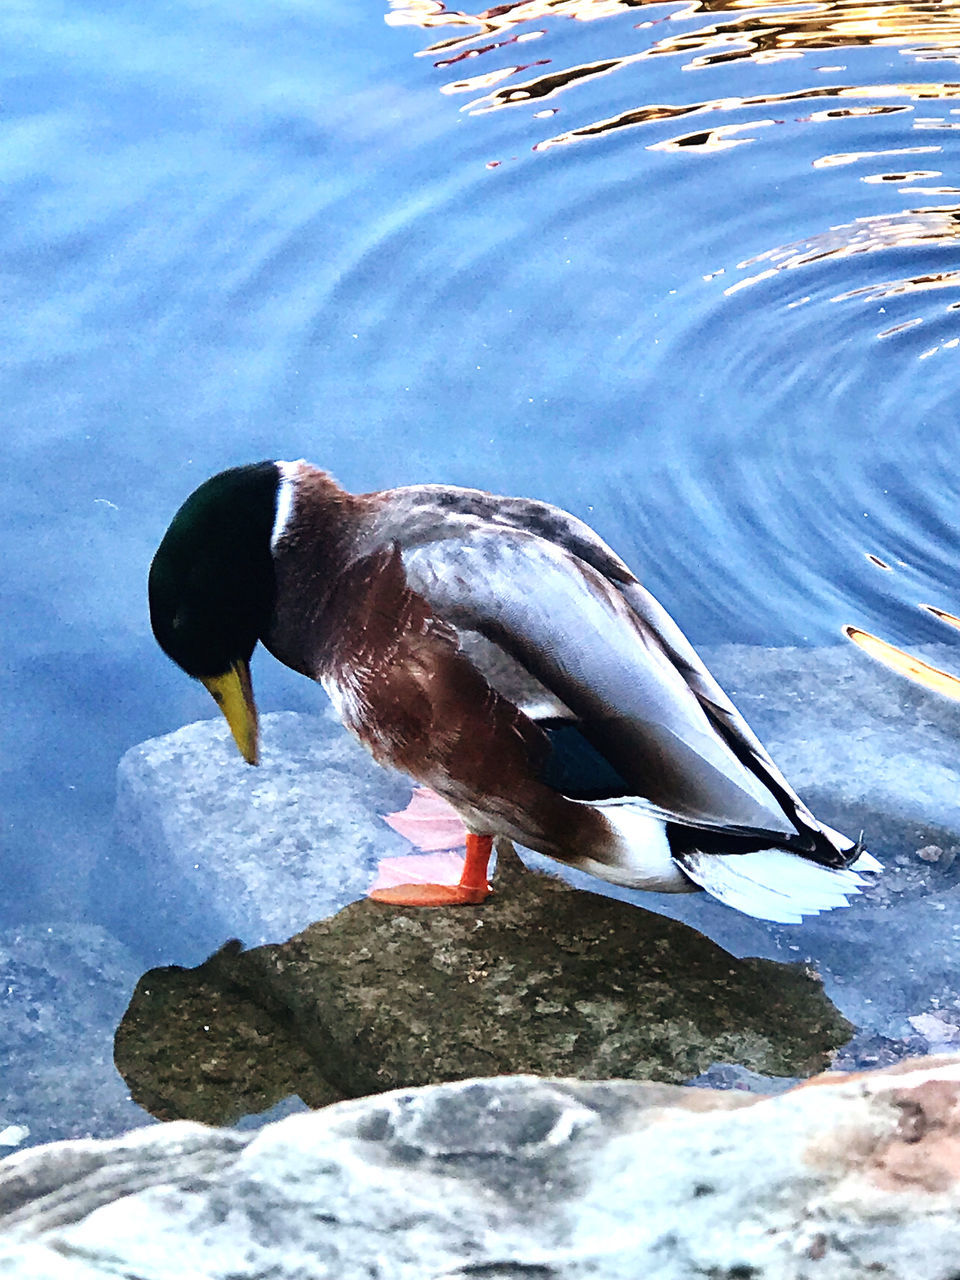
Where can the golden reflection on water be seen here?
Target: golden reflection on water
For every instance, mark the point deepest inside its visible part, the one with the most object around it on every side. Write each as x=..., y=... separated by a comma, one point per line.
x=950, y=619
x=923, y=227
x=751, y=29
x=892, y=288
x=905, y=663
x=856, y=157
x=900, y=660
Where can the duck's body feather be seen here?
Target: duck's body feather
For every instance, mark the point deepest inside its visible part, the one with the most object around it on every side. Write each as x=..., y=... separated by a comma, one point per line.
x=578, y=637
x=498, y=651
x=441, y=531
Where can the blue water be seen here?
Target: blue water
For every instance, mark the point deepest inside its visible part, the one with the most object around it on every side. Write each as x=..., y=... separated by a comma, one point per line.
x=239, y=231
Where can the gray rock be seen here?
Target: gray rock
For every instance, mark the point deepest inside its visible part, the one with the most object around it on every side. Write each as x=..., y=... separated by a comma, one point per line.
x=262, y=851
x=64, y=988
x=852, y=1178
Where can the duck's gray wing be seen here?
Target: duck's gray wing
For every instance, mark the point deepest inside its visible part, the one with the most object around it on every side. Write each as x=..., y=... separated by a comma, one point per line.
x=573, y=631
x=576, y=537
x=434, y=513
x=718, y=708
x=424, y=513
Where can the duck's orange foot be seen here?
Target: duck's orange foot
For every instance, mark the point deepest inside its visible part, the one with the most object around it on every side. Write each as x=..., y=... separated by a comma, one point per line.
x=431, y=895
x=418, y=880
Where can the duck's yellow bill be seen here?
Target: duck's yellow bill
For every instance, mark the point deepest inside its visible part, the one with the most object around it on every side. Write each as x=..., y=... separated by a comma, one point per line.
x=233, y=694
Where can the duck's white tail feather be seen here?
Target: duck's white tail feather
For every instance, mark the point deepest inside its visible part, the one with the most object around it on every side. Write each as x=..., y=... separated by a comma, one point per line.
x=773, y=884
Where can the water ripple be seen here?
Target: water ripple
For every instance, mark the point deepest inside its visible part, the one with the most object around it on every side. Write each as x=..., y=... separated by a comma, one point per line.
x=815, y=372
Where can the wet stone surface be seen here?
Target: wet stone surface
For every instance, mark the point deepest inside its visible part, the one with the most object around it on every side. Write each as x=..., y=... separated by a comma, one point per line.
x=518, y=1176
x=541, y=978
x=63, y=990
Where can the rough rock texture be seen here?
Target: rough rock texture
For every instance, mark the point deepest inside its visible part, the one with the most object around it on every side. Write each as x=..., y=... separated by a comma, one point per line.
x=851, y=1178
x=540, y=978
x=207, y=1044
x=264, y=851
x=63, y=989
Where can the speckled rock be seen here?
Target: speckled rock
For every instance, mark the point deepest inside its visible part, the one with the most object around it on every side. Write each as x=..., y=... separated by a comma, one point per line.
x=540, y=978
x=851, y=1178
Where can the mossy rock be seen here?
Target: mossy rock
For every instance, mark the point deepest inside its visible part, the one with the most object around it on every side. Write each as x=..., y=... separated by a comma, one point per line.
x=541, y=978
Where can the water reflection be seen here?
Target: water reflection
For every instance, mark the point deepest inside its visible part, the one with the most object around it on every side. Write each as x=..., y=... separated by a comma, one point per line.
x=899, y=659
x=759, y=32
x=905, y=664
x=915, y=228
x=210, y=1044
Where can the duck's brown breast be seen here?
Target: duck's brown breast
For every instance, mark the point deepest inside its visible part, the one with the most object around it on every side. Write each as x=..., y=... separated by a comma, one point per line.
x=402, y=684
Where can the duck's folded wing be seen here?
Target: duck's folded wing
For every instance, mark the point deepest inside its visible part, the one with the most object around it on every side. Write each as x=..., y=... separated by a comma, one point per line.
x=574, y=631
x=718, y=708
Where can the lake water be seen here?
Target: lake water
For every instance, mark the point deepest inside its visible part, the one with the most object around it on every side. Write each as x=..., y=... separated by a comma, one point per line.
x=690, y=271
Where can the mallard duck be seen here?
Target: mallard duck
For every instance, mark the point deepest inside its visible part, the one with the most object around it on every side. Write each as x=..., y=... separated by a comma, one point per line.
x=497, y=651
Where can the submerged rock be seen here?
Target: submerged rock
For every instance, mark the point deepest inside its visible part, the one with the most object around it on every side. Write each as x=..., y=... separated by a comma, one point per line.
x=851, y=1177
x=540, y=978
x=64, y=987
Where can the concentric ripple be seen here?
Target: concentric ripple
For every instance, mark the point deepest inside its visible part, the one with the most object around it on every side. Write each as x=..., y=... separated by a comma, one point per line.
x=775, y=376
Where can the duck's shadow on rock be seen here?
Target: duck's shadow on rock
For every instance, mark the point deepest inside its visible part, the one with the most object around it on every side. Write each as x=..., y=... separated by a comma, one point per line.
x=542, y=978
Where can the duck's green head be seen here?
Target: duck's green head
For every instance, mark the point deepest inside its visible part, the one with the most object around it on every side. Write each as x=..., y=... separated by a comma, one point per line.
x=212, y=588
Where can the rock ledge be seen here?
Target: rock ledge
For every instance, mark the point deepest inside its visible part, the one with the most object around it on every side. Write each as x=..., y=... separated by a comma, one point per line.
x=846, y=1177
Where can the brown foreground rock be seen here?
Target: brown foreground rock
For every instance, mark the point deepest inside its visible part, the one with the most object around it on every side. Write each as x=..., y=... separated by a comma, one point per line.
x=844, y=1178
x=541, y=978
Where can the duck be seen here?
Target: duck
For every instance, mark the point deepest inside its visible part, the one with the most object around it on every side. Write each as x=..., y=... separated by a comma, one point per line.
x=498, y=652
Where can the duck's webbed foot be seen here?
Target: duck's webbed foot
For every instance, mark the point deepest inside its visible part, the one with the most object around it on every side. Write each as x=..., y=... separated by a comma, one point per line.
x=471, y=888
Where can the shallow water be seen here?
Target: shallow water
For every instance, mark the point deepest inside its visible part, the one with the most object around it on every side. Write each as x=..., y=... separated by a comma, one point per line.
x=687, y=270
